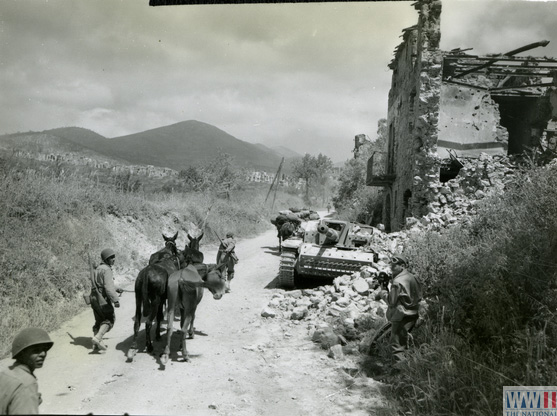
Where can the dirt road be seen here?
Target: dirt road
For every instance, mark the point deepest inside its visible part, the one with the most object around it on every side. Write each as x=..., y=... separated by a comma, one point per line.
x=241, y=364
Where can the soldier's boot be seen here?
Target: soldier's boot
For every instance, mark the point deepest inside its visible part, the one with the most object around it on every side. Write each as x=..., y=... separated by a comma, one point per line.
x=98, y=338
x=95, y=332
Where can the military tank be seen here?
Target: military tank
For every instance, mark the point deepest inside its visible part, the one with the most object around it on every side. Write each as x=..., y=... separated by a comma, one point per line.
x=326, y=249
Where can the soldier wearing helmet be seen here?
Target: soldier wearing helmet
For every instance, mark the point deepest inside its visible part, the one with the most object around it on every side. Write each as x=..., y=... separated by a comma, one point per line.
x=104, y=297
x=19, y=390
x=403, y=300
x=227, y=255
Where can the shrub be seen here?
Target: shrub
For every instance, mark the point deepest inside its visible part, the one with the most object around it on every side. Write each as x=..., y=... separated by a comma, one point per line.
x=50, y=221
x=492, y=292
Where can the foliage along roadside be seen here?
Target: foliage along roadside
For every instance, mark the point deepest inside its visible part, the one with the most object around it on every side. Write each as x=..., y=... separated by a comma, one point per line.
x=353, y=200
x=492, y=293
x=50, y=221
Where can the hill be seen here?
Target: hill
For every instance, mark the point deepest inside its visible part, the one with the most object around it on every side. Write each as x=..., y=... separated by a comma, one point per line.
x=177, y=146
x=188, y=143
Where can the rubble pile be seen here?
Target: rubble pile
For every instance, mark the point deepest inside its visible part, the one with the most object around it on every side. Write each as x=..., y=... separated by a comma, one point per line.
x=344, y=316
x=340, y=314
x=455, y=201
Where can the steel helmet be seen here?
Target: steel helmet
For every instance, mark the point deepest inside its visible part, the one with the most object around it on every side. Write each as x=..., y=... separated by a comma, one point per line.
x=107, y=253
x=29, y=337
x=399, y=260
x=229, y=235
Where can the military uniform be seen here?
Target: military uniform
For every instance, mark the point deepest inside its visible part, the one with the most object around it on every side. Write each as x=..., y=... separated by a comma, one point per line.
x=19, y=391
x=103, y=288
x=104, y=297
x=226, y=253
x=403, y=302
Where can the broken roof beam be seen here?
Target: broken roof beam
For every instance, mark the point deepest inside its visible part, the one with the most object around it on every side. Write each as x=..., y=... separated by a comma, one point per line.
x=511, y=64
x=547, y=84
x=533, y=71
x=523, y=74
x=502, y=62
x=510, y=53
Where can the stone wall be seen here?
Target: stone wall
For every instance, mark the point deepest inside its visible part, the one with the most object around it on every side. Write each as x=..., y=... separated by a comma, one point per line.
x=413, y=111
x=454, y=201
x=430, y=118
x=469, y=122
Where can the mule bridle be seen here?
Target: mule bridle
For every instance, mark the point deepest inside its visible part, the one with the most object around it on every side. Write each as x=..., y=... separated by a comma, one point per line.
x=172, y=246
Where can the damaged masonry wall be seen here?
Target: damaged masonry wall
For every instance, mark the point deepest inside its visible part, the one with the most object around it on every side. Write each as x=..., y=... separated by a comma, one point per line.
x=413, y=112
x=431, y=120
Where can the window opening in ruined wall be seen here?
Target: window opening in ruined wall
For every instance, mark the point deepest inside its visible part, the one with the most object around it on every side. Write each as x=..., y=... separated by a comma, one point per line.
x=411, y=110
x=391, y=150
x=449, y=171
x=387, y=215
x=523, y=121
x=394, y=208
x=407, y=197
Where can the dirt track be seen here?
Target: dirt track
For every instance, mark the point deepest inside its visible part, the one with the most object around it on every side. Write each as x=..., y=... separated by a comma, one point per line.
x=241, y=364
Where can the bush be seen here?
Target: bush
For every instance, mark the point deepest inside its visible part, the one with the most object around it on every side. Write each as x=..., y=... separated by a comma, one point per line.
x=50, y=221
x=492, y=293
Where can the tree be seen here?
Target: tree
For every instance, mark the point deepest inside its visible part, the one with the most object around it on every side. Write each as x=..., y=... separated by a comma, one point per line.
x=354, y=200
x=306, y=169
x=193, y=178
x=311, y=168
x=223, y=174
x=323, y=168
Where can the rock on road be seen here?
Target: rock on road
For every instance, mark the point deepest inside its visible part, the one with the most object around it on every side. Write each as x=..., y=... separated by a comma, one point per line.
x=241, y=364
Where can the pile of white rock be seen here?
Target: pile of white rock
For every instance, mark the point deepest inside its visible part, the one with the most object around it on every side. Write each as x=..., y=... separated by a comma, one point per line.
x=456, y=200
x=338, y=316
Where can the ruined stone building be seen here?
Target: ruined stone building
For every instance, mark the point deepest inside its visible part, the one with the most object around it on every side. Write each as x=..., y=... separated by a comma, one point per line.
x=445, y=107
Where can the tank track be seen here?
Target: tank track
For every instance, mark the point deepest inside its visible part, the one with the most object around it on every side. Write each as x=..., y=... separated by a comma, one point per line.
x=286, y=269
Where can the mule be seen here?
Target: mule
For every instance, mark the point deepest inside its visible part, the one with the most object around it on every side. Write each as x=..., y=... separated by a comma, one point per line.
x=185, y=290
x=285, y=232
x=191, y=250
x=169, y=249
x=150, y=297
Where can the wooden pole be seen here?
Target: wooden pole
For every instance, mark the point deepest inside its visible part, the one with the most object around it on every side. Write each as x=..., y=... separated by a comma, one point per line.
x=276, y=187
x=274, y=179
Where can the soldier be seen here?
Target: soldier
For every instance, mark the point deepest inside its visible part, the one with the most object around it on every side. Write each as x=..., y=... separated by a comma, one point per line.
x=226, y=253
x=103, y=296
x=19, y=390
x=403, y=302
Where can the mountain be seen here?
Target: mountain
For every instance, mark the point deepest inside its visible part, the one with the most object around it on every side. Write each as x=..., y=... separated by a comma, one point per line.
x=287, y=153
x=189, y=143
x=177, y=146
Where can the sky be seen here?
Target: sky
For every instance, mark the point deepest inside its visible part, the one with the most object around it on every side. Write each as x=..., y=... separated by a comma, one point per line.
x=306, y=76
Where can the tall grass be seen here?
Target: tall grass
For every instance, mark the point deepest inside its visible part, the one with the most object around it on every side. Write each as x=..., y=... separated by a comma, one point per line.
x=51, y=220
x=492, y=290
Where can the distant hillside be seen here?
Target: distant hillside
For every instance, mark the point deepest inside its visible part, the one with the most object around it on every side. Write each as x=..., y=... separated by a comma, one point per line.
x=177, y=146
x=189, y=143
x=287, y=153
x=62, y=141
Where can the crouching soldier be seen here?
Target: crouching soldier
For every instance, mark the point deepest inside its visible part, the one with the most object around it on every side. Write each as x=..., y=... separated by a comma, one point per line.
x=19, y=390
x=403, y=302
x=104, y=298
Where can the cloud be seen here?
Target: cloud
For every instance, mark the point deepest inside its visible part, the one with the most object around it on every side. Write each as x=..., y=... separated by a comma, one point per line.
x=307, y=76
x=497, y=26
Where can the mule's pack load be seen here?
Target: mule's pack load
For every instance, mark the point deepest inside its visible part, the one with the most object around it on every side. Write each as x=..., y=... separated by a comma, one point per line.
x=329, y=248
